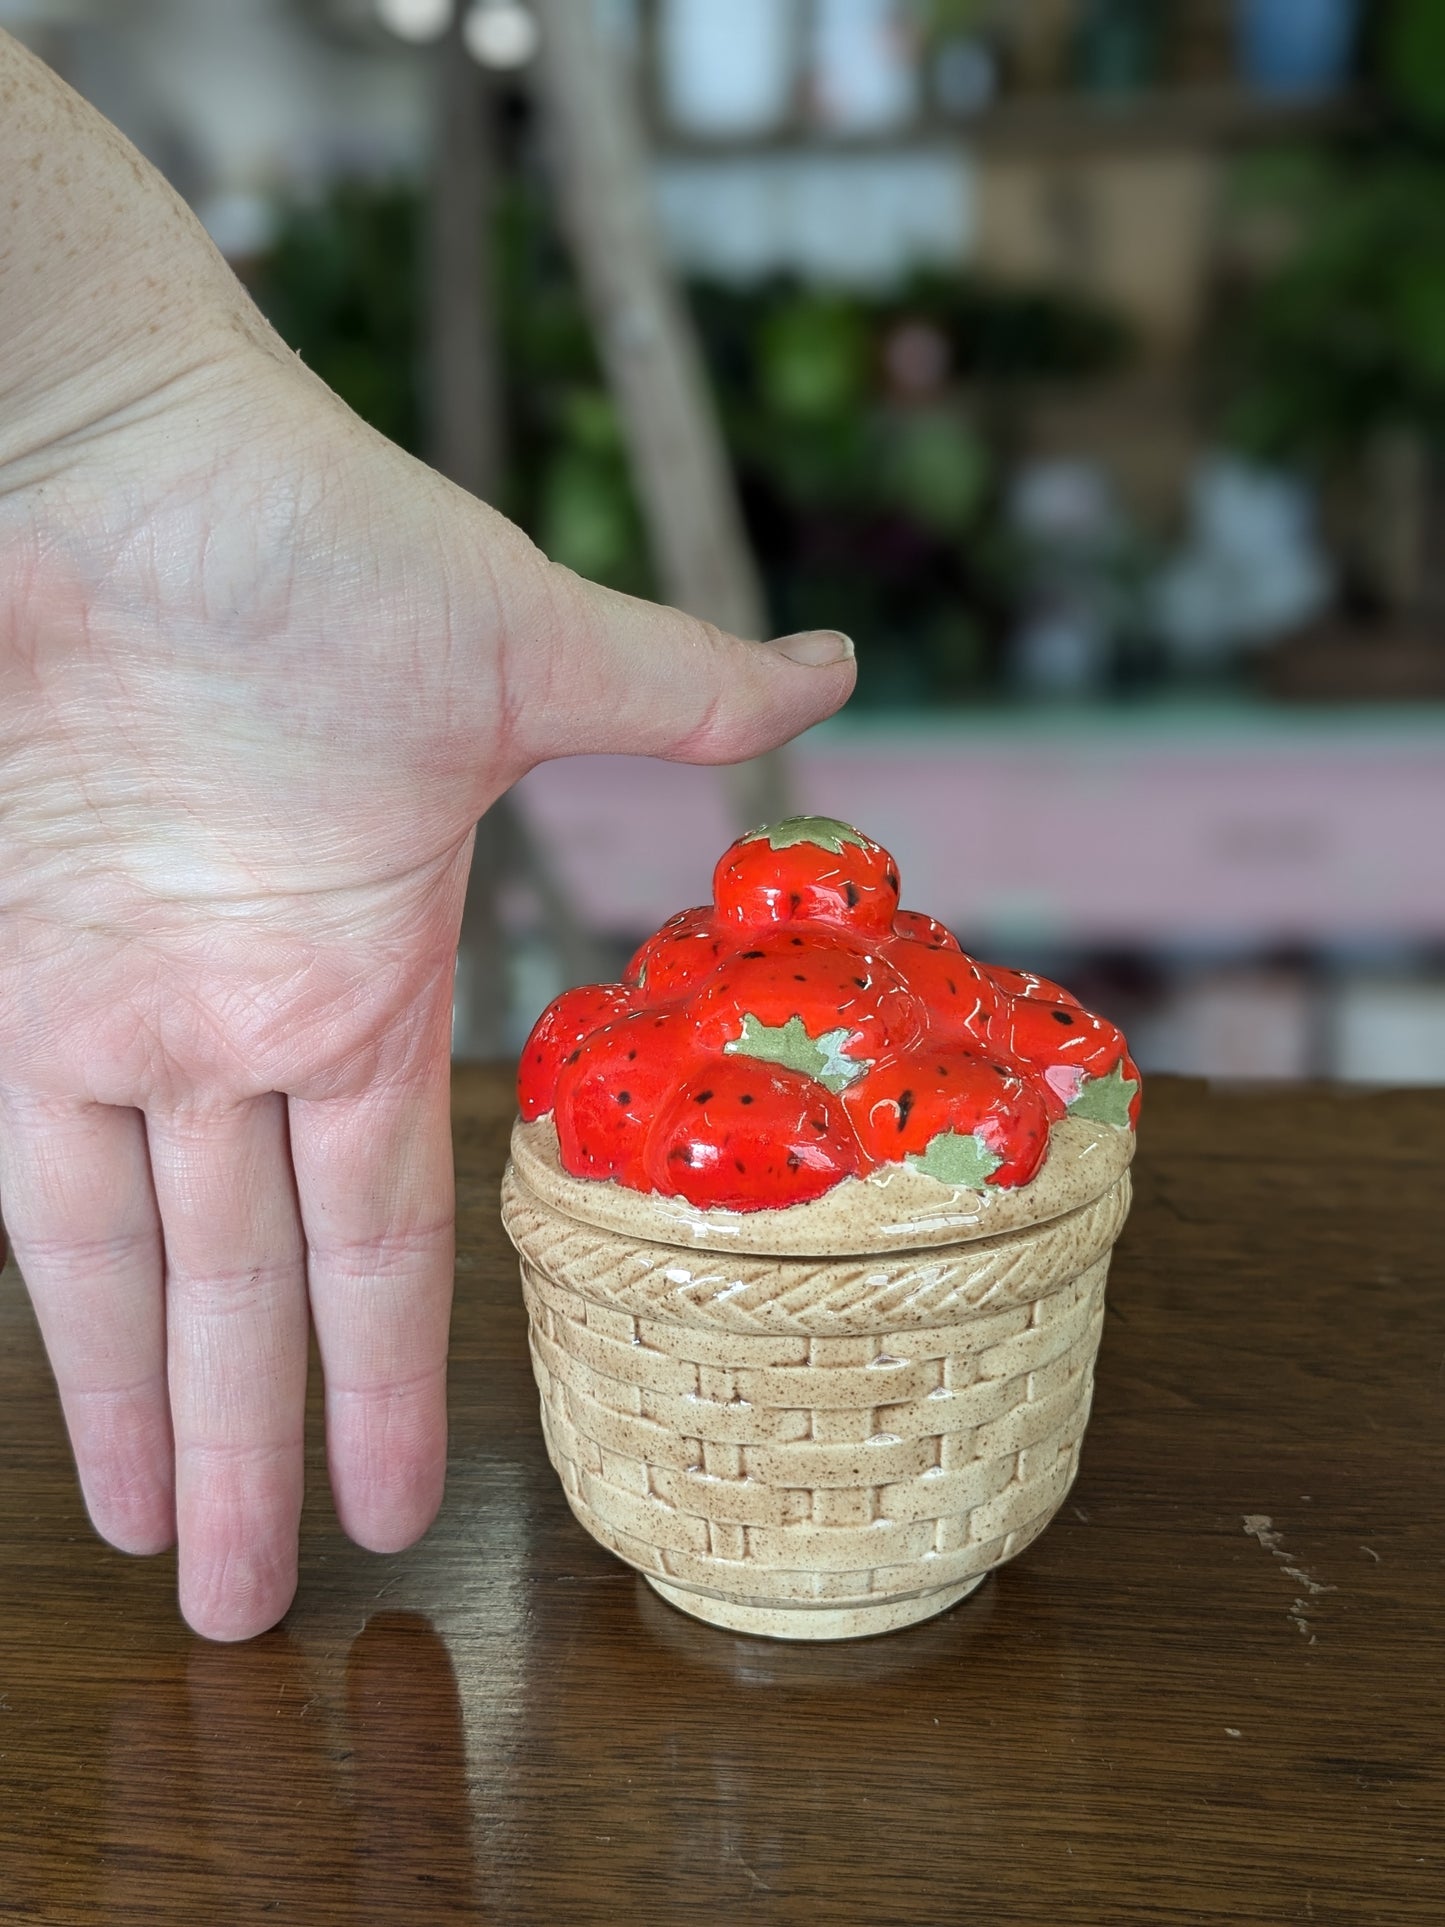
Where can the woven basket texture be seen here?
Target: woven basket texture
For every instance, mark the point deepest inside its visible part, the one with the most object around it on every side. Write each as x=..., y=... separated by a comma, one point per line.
x=814, y=1433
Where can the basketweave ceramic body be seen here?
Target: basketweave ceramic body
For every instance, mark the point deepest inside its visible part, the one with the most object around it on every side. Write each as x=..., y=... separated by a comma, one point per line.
x=814, y=1214
x=815, y=1447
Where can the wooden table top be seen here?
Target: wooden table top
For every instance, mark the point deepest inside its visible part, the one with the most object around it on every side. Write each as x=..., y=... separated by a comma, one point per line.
x=1210, y=1693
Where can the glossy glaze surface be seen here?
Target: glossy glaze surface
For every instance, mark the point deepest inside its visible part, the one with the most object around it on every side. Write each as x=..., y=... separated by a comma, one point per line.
x=795, y=1447
x=1124, y=1727
x=895, y=1208
x=802, y=1031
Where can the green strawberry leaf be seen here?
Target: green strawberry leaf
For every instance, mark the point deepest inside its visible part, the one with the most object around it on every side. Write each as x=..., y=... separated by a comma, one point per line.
x=820, y=1058
x=957, y=1157
x=1106, y=1099
x=825, y=831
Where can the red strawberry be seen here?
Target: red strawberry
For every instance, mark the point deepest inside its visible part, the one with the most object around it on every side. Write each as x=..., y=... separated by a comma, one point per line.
x=806, y=868
x=740, y=1135
x=1063, y=1041
x=965, y=1118
x=803, y=996
x=958, y=995
x=684, y=950
x=920, y=928
x=807, y=1029
x=1026, y=983
x=559, y=1030
x=609, y=1090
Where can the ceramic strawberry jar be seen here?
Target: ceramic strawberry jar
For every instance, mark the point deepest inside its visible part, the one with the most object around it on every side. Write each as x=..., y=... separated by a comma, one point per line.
x=814, y=1213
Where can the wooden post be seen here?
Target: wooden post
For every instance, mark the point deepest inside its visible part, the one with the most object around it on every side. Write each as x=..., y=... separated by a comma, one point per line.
x=466, y=433
x=465, y=442
x=465, y=424
x=648, y=348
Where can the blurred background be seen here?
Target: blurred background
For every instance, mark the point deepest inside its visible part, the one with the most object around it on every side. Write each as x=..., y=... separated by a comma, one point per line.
x=1083, y=359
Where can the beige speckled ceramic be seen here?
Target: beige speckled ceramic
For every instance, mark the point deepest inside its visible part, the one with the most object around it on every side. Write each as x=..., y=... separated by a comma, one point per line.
x=823, y=1422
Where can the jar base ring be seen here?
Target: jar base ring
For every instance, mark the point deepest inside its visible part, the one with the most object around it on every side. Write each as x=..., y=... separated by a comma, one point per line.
x=814, y=1622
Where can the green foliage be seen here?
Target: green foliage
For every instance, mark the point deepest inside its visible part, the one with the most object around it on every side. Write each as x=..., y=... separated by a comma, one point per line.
x=936, y=469
x=583, y=511
x=1412, y=60
x=869, y=509
x=1348, y=336
x=340, y=286
x=813, y=356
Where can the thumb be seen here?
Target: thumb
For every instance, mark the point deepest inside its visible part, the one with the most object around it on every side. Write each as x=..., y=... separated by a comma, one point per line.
x=640, y=678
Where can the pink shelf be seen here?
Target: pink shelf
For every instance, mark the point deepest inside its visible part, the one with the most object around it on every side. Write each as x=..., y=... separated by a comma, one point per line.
x=1137, y=827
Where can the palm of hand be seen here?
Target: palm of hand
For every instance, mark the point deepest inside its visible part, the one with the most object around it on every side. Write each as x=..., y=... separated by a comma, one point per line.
x=252, y=716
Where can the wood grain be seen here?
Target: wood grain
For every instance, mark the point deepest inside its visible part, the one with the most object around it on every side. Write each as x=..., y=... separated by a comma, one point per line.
x=1154, y=1716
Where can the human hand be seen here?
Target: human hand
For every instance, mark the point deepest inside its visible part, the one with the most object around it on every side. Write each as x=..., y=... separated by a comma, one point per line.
x=260, y=673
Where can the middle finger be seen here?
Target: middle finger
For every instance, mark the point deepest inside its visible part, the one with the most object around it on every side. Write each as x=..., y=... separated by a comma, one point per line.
x=236, y=1339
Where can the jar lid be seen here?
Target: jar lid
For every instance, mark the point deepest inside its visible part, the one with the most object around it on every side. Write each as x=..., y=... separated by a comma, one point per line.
x=894, y=1208
x=804, y=1055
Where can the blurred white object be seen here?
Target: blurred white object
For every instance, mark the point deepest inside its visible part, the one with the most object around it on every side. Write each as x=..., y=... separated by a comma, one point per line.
x=1251, y=570
x=417, y=20
x=241, y=224
x=500, y=34
x=254, y=100
x=965, y=76
x=1239, y=1022
x=1061, y=653
x=864, y=66
x=1065, y=506
x=850, y=220
x=1388, y=1031
x=18, y=15
x=1072, y=533
x=727, y=71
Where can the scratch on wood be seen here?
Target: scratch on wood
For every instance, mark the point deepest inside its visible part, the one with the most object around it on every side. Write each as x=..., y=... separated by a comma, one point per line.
x=1259, y=1525
x=1311, y=1586
x=759, y=1884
